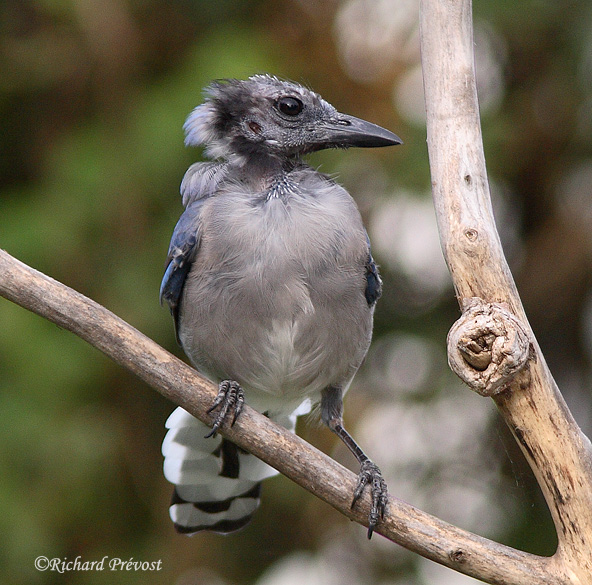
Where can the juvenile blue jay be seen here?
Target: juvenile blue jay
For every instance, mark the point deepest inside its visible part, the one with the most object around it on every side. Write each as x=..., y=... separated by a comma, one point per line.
x=272, y=288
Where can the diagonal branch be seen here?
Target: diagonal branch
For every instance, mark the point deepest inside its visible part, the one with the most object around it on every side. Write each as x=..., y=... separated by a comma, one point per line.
x=529, y=400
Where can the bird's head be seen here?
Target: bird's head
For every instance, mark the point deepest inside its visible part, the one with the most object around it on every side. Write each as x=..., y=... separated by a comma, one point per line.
x=265, y=116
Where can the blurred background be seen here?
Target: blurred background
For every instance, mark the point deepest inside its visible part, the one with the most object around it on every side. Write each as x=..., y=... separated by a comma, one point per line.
x=93, y=96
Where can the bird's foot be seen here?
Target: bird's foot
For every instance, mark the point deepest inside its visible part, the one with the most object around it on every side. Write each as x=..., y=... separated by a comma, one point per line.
x=230, y=399
x=371, y=475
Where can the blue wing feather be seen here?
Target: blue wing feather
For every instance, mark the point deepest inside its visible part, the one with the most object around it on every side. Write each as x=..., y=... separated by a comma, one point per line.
x=178, y=264
x=200, y=183
x=182, y=251
x=373, y=280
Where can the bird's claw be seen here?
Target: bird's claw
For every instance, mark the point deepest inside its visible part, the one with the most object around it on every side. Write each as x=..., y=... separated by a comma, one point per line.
x=230, y=398
x=371, y=475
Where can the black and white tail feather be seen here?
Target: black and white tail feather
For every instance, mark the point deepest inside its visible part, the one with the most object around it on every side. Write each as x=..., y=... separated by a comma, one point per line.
x=217, y=484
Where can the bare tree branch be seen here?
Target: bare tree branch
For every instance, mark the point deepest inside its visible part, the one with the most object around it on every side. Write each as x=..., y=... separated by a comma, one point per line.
x=528, y=399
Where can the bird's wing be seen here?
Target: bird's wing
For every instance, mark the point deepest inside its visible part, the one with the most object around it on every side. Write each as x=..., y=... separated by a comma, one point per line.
x=373, y=280
x=200, y=182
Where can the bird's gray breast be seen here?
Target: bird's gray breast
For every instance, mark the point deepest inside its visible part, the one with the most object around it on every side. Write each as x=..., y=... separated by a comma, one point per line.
x=275, y=298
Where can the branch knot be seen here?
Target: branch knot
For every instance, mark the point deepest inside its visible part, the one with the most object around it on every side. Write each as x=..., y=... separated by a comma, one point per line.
x=487, y=346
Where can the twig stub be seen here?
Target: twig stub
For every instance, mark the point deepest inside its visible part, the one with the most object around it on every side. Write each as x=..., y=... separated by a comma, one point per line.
x=487, y=346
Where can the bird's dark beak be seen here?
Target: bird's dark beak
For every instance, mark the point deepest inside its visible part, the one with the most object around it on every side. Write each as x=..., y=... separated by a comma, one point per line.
x=345, y=131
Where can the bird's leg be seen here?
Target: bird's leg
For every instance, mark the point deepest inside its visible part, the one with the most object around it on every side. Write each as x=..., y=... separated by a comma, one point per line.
x=370, y=475
x=230, y=398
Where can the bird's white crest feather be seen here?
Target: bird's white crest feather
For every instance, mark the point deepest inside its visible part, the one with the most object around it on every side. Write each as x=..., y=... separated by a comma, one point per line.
x=199, y=126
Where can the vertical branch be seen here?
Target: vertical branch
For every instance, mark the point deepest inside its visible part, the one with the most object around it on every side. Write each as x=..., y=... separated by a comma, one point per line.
x=488, y=347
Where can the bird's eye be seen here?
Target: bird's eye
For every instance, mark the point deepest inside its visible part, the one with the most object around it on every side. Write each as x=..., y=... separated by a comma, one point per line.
x=289, y=106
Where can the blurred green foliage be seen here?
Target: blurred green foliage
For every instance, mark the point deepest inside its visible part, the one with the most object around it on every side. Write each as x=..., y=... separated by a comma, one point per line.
x=93, y=96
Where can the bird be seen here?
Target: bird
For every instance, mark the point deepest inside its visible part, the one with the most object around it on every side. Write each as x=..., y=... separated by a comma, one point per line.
x=272, y=286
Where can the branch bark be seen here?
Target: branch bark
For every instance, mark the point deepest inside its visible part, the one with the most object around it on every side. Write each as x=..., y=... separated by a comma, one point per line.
x=529, y=400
